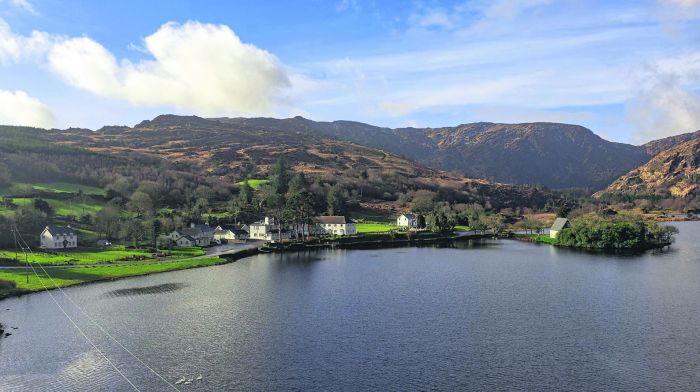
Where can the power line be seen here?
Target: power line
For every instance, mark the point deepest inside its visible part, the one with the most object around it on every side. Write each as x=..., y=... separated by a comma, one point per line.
x=98, y=324
x=73, y=322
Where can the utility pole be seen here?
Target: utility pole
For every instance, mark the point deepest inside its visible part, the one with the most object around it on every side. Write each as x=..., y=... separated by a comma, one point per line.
x=26, y=259
x=14, y=235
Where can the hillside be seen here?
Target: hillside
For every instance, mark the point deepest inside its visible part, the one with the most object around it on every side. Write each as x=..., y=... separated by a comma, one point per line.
x=654, y=147
x=676, y=170
x=550, y=154
x=230, y=153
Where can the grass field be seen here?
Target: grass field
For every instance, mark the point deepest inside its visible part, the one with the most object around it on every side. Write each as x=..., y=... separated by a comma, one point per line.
x=255, y=184
x=185, y=252
x=81, y=256
x=60, y=207
x=462, y=227
x=113, y=254
x=375, y=227
x=63, y=277
x=65, y=187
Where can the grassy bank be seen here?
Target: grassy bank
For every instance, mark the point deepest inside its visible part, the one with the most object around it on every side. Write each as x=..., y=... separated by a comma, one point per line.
x=542, y=238
x=113, y=254
x=63, y=277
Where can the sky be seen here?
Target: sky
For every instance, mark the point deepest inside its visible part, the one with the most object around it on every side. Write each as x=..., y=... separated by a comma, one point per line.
x=628, y=70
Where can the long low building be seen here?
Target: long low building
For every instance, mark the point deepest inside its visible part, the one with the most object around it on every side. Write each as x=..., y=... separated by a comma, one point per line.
x=335, y=225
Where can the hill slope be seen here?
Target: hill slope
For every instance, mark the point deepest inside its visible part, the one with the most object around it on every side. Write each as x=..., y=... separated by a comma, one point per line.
x=654, y=147
x=551, y=154
x=232, y=152
x=676, y=170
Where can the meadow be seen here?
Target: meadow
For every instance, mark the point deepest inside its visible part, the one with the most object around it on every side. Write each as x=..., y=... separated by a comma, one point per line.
x=62, y=277
x=368, y=228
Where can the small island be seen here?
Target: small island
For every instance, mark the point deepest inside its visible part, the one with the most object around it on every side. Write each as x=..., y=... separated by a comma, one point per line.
x=626, y=230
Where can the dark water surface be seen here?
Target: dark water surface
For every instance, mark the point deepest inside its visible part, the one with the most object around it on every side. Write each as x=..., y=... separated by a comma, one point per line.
x=505, y=315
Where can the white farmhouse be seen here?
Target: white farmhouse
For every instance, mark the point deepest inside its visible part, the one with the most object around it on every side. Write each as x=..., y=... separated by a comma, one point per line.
x=335, y=225
x=229, y=234
x=267, y=230
x=409, y=220
x=56, y=237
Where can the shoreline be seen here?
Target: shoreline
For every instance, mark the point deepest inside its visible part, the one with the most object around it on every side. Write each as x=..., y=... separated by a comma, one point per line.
x=244, y=253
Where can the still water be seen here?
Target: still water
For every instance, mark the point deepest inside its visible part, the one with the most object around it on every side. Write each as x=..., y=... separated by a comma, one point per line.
x=500, y=315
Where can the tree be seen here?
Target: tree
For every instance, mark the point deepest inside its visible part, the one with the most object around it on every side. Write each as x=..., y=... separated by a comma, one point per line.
x=245, y=195
x=335, y=200
x=107, y=222
x=442, y=220
x=5, y=176
x=423, y=201
x=297, y=183
x=564, y=210
x=300, y=209
x=140, y=203
x=43, y=206
x=279, y=177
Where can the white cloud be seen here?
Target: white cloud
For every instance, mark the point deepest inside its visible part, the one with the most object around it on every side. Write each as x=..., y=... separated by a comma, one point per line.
x=15, y=47
x=204, y=68
x=23, y=4
x=686, y=4
x=18, y=108
x=665, y=104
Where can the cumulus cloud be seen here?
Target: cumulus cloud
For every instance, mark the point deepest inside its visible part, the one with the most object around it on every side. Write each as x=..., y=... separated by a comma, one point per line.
x=15, y=47
x=666, y=104
x=18, y=108
x=200, y=67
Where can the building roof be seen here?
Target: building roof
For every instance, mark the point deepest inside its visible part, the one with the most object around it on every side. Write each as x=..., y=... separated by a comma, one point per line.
x=60, y=230
x=203, y=228
x=187, y=237
x=559, y=224
x=409, y=215
x=333, y=220
x=239, y=232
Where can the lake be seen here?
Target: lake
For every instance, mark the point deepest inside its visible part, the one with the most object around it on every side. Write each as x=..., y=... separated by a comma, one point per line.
x=493, y=315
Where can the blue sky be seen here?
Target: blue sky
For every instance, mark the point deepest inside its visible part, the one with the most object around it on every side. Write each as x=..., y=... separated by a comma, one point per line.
x=629, y=70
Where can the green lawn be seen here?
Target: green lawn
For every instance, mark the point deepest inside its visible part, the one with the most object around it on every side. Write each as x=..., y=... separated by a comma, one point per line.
x=375, y=227
x=70, y=276
x=80, y=256
x=462, y=227
x=255, y=184
x=60, y=207
x=183, y=252
x=66, y=187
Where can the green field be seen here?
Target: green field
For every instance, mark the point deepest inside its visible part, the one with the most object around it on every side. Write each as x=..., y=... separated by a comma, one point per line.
x=65, y=187
x=60, y=207
x=114, y=254
x=462, y=227
x=80, y=256
x=70, y=276
x=255, y=184
x=183, y=252
x=375, y=227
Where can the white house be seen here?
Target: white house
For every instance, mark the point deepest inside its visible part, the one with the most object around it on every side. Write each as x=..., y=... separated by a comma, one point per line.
x=198, y=235
x=335, y=225
x=409, y=220
x=185, y=240
x=232, y=234
x=559, y=225
x=56, y=237
x=267, y=230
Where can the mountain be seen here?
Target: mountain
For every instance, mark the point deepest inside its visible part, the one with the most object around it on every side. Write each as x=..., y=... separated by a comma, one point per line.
x=231, y=151
x=656, y=146
x=550, y=154
x=676, y=170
